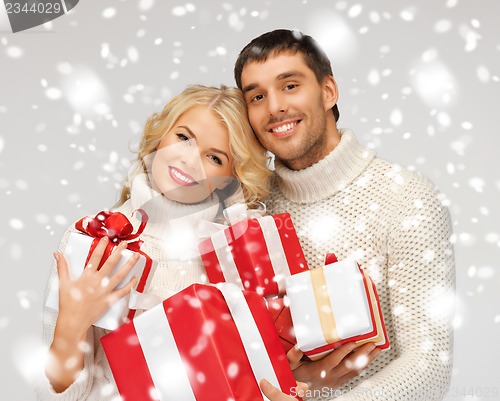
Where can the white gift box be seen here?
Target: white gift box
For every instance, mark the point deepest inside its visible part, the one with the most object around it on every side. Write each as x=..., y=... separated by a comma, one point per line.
x=76, y=253
x=330, y=306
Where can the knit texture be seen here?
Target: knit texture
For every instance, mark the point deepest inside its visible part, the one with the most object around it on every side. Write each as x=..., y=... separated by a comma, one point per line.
x=392, y=222
x=170, y=240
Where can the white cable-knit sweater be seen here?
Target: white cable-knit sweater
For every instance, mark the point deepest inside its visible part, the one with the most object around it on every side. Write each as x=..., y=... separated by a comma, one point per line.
x=392, y=222
x=168, y=239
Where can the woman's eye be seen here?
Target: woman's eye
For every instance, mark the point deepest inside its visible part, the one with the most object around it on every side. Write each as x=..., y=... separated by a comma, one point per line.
x=215, y=159
x=182, y=137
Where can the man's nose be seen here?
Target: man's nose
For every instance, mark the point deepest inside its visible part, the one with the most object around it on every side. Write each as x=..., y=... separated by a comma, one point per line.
x=276, y=103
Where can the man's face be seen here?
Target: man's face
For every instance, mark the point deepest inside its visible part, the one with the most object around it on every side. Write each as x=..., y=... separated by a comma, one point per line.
x=288, y=108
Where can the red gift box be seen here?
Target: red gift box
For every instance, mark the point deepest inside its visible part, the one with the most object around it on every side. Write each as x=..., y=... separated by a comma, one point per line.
x=204, y=343
x=80, y=247
x=255, y=254
x=280, y=315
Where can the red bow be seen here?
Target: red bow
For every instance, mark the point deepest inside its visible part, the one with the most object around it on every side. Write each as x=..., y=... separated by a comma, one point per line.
x=113, y=225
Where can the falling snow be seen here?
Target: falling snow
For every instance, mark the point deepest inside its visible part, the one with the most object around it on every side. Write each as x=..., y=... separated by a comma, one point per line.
x=429, y=107
x=109, y=12
x=14, y=52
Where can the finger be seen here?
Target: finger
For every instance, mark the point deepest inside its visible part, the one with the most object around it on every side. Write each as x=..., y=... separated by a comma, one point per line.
x=125, y=290
x=356, y=372
x=357, y=361
x=113, y=259
x=124, y=270
x=301, y=389
x=97, y=254
x=294, y=356
x=335, y=358
x=62, y=266
x=272, y=392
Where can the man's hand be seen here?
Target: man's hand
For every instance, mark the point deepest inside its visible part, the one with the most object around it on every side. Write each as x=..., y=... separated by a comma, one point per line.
x=342, y=365
x=274, y=394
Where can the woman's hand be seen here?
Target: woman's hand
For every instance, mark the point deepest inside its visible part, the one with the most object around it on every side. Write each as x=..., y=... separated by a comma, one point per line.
x=81, y=303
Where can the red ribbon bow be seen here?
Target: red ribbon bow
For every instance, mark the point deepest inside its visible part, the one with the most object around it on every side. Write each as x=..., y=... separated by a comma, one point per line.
x=115, y=226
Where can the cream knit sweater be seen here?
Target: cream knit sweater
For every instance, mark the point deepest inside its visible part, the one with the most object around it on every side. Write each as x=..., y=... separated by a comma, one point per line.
x=393, y=223
x=170, y=239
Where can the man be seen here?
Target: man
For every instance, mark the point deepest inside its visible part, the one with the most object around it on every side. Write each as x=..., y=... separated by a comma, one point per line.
x=344, y=199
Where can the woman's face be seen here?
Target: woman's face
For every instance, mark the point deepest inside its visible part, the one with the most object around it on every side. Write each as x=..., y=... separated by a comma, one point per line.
x=193, y=158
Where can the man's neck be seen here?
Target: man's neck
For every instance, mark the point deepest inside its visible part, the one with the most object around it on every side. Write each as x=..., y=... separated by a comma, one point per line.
x=319, y=152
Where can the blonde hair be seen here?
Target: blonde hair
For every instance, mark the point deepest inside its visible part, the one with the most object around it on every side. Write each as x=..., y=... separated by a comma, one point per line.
x=250, y=159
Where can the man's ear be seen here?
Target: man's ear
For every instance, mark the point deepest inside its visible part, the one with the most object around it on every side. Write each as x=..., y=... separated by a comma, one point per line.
x=330, y=92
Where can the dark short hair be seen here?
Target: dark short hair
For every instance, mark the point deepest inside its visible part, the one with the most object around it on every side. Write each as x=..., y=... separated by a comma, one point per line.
x=281, y=41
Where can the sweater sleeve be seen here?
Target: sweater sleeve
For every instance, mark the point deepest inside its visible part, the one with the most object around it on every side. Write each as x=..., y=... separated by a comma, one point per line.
x=95, y=381
x=421, y=280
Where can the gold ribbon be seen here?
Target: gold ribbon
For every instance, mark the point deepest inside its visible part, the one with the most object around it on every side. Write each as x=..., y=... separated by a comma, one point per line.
x=325, y=312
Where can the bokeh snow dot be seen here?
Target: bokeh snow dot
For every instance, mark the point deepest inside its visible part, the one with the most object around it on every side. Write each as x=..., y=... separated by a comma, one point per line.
x=145, y=5
x=14, y=52
x=109, y=12
x=16, y=224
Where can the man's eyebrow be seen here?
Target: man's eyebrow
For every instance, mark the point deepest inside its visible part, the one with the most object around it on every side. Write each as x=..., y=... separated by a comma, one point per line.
x=289, y=74
x=280, y=77
x=249, y=88
x=215, y=150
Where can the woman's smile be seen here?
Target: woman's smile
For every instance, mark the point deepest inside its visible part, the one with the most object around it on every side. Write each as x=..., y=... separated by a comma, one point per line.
x=180, y=177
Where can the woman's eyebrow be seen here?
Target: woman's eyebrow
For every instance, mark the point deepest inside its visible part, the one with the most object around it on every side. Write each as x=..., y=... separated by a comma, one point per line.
x=188, y=130
x=215, y=150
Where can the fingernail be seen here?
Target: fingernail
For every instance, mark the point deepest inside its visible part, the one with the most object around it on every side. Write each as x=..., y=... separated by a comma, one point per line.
x=105, y=239
x=56, y=256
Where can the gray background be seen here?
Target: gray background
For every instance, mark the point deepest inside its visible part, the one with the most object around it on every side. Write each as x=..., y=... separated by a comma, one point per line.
x=419, y=82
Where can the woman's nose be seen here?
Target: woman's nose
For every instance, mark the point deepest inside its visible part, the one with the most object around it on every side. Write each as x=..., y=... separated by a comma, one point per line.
x=190, y=156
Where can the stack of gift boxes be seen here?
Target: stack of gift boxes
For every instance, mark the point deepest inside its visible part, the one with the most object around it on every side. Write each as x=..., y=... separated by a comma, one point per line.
x=218, y=341
x=318, y=309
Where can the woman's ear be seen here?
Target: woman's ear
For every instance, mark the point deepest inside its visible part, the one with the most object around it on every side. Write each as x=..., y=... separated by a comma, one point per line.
x=330, y=92
x=219, y=182
x=222, y=182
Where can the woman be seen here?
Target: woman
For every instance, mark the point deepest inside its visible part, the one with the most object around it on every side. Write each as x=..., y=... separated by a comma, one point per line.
x=197, y=154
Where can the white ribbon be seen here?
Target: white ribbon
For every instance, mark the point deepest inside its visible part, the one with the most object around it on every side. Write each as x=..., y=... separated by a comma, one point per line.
x=251, y=338
x=233, y=214
x=276, y=251
x=165, y=364
x=139, y=300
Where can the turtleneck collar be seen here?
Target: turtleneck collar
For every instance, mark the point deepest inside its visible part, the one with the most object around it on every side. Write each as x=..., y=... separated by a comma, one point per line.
x=329, y=175
x=165, y=215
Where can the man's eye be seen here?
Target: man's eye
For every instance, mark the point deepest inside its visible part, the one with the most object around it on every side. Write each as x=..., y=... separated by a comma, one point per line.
x=215, y=159
x=290, y=87
x=256, y=98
